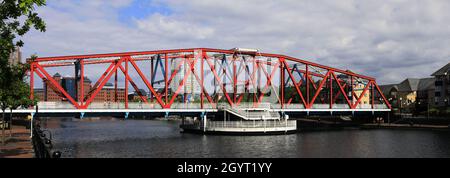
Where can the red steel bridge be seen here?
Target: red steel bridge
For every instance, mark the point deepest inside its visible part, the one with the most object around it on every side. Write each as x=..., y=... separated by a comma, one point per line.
x=203, y=80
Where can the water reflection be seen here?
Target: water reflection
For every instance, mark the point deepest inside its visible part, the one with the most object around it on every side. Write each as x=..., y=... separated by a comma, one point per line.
x=139, y=138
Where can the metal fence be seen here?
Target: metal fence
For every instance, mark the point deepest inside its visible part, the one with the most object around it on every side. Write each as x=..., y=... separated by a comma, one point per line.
x=243, y=106
x=251, y=124
x=42, y=143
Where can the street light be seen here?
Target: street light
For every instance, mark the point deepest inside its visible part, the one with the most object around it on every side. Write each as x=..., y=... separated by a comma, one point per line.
x=400, y=109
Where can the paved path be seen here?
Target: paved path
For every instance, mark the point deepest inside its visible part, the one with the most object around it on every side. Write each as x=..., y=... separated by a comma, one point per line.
x=17, y=146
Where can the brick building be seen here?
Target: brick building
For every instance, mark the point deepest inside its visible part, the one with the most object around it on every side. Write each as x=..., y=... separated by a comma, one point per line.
x=107, y=94
x=49, y=92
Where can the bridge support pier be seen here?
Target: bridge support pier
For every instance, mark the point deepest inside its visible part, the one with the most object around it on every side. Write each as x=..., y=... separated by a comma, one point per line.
x=82, y=115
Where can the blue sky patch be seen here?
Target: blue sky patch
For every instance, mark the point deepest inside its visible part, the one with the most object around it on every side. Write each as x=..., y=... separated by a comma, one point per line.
x=140, y=9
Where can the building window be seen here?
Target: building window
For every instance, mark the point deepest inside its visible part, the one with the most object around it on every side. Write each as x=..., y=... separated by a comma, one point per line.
x=437, y=94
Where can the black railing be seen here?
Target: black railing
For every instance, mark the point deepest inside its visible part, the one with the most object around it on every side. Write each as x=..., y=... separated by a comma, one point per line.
x=42, y=143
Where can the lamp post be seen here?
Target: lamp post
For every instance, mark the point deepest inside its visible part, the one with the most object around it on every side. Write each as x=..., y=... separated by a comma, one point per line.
x=428, y=109
x=400, y=108
x=446, y=104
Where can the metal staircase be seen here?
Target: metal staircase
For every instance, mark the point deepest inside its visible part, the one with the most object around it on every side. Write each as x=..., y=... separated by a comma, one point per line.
x=261, y=112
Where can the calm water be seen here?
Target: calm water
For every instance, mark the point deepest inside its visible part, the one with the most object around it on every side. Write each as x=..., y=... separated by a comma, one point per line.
x=134, y=138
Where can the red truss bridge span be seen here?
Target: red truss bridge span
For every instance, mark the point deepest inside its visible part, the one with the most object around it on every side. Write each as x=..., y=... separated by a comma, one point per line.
x=198, y=80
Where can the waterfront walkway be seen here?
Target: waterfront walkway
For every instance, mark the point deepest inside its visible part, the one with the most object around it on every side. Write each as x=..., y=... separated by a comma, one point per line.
x=18, y=145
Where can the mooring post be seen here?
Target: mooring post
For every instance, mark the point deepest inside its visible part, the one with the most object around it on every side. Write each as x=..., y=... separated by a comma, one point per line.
x=203, y=115
x=264, y=120
x=286, y=117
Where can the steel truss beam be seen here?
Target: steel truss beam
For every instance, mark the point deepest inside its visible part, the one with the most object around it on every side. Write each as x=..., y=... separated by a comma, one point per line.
x=255, y=75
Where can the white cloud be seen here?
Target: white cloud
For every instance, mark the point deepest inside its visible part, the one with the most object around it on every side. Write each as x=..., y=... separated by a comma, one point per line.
x=163, y=26
x=389, y=40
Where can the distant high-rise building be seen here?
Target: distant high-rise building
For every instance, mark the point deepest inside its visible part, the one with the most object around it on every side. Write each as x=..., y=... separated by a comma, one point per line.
x=68, y=83
x=15, y=57
x=190, y=86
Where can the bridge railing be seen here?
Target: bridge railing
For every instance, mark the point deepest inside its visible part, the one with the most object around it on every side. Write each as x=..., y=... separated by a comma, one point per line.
x=246, y=106
x=335, y=106
x=114, y=105
x=54, y=105
x=251, y=124
x=243, y=106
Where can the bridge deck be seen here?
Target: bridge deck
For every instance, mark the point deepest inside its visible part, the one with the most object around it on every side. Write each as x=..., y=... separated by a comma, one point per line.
x=98, y=109
x=56, y=111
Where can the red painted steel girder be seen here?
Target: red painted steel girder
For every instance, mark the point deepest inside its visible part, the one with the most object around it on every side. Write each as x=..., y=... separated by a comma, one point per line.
x=192, y=50
x=115, y=60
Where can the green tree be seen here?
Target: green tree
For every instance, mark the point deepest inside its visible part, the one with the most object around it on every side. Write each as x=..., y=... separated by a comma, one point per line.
x=17, y=18
x=19, y=97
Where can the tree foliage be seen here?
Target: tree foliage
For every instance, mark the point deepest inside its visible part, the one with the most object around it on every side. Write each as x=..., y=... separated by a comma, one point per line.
x=17, y=18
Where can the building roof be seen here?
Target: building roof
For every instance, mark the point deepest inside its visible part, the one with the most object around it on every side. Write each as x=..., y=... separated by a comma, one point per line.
x=109, y=85
x=426, y=84
x=410, y=84
x=87, y=80
x=57, y=75
x=442, y=70
x=387, y=88
x=143, y=92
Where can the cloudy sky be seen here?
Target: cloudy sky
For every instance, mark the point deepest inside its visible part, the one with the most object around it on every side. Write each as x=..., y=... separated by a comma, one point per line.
x=389, y=40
